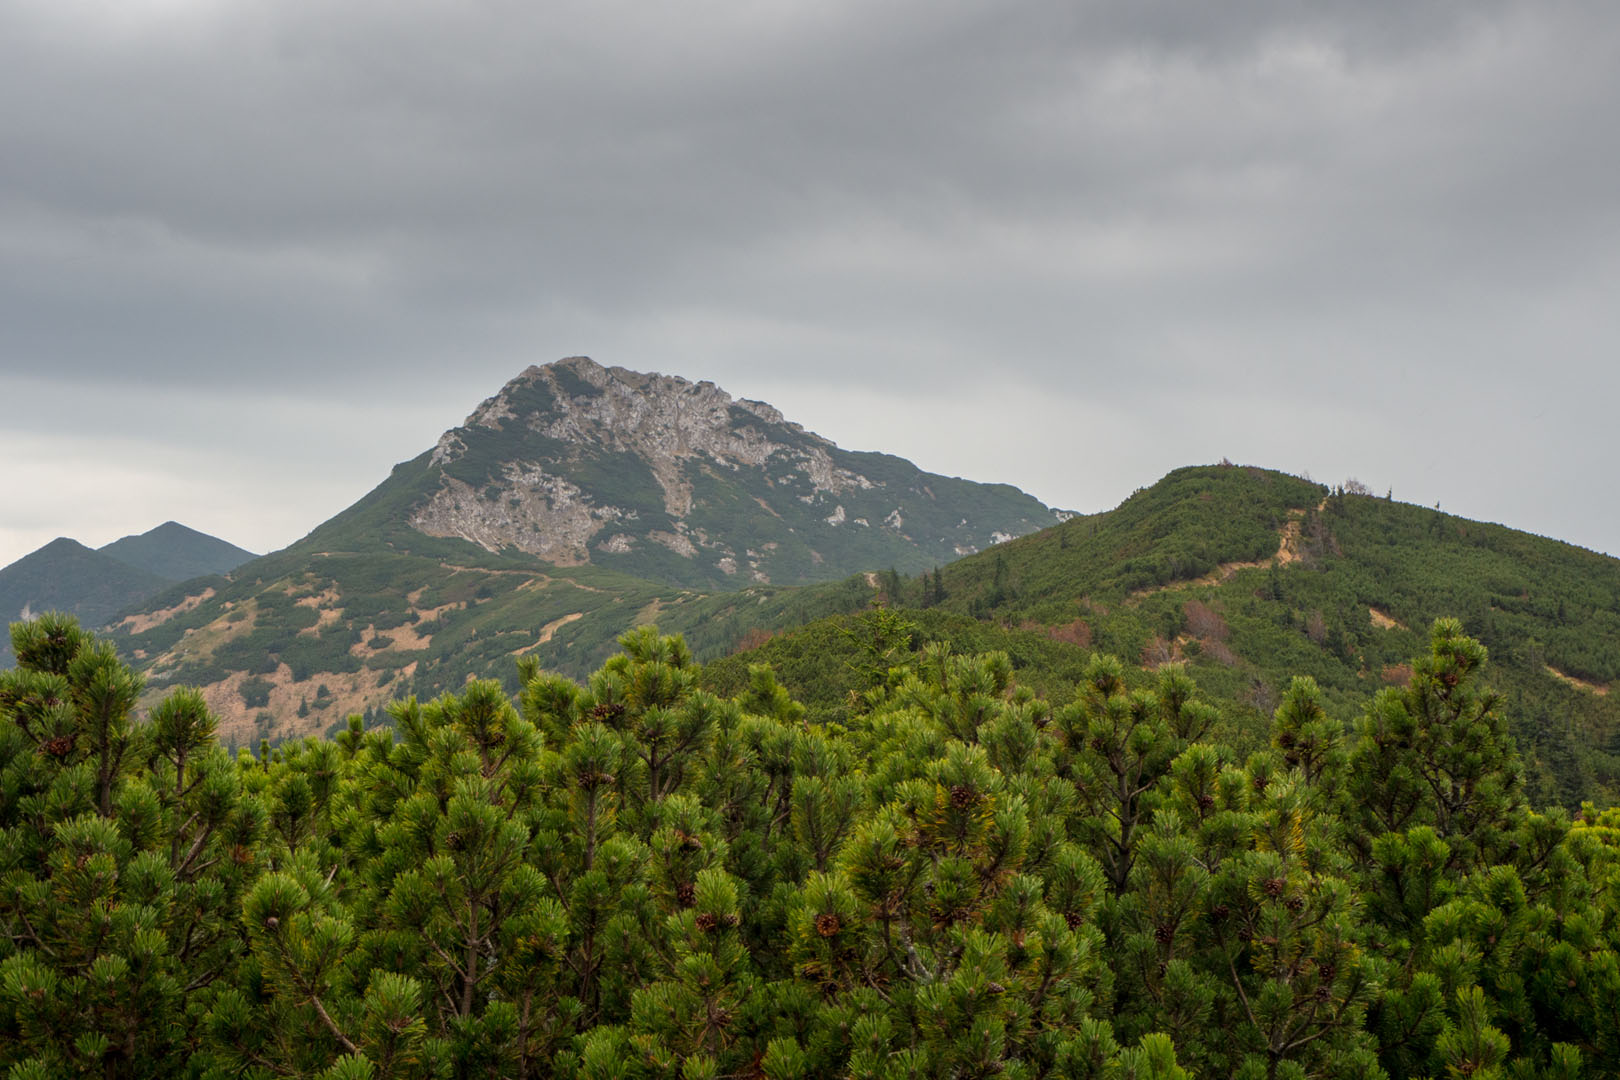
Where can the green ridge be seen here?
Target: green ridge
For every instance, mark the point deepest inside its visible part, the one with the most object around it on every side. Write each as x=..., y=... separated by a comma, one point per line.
x=1145, y=581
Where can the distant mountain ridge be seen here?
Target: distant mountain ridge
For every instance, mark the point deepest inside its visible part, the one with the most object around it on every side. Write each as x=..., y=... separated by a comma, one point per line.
x=64, y=575
x=176, y=553
x=96, y=584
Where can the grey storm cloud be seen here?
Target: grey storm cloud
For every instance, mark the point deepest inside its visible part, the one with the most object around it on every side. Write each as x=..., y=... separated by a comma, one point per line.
x=1336, y=235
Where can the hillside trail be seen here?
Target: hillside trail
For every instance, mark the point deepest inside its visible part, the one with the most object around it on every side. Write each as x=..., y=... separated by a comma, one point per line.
x=1287, y=552
x=535, y=575
x=139, y=624
x=548, y=631
x=1600, y=689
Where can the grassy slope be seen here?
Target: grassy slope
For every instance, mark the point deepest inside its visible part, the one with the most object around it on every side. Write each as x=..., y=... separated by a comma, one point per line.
x=1187, y=570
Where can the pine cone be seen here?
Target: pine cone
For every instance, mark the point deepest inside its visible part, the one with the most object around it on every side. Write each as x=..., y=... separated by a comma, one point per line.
x=1219, y=911
x=685, y=894
x=1164, y=933
x=1275, y=886
x=828, y=924
x=1294, y=903
x=1206, y=802
x=707, y=922
x=607, y=712
x=994, y=988
x=1072, y=919
x=963, y=796
x=59, y=747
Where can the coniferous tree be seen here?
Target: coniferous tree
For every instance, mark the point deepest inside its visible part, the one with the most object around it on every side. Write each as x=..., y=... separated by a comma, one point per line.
x=633, y=878
x=1436, y=752
x=118, y=886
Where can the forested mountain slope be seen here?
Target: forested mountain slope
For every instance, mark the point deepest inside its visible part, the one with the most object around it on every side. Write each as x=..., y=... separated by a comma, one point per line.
x=95, y=585
x=633, y=878
x=176, y=552
x=64, y=575
x=1251, y=577
x=578, y=502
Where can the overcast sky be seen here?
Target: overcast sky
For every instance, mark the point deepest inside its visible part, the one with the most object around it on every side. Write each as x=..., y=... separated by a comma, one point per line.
x=254, y=252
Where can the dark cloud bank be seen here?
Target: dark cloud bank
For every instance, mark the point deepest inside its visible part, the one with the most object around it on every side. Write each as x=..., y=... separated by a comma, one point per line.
x=251, y=254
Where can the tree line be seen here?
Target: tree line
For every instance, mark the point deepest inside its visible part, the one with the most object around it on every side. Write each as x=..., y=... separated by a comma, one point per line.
x=635, y=878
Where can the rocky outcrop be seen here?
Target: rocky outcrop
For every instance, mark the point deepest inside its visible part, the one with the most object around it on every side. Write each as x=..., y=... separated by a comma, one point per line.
x=574, y=462
x=540, y=514
x=664, y=420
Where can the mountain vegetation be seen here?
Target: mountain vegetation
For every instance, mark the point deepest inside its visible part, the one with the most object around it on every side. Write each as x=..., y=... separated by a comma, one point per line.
x=672, y=482
x=1245, y=575
x=177, y=553
x=574, y=504
x=1216, y=783
x=1250, y=577
x=64, y=575
x=950, y=875
x=96, y=584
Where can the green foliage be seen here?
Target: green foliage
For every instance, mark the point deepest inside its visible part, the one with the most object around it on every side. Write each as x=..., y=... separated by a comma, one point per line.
x=66, y=576
x=948, y=875
x=1185, y=571
x=1253, y=578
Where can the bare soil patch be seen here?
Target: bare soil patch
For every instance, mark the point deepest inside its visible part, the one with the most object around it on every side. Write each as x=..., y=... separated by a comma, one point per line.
x=1077, y=633
x=346, y=693
x=138, y=624
x=548, y=631
x=1384, y=621
x=1600, y=689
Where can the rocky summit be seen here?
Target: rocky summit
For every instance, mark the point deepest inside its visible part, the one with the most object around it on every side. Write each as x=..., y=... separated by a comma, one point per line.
x=679, y=482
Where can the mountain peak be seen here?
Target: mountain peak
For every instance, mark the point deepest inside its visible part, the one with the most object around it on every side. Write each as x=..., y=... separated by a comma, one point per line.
x=176, y=552
x=575, y=462
x=586, y=401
